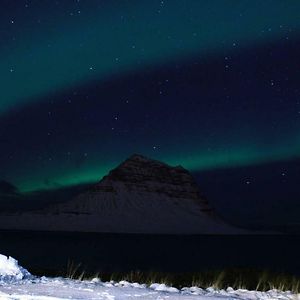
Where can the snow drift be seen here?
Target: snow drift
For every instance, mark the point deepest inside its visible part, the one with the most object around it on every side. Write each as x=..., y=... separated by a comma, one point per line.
x=10, y=269
x=18, y=284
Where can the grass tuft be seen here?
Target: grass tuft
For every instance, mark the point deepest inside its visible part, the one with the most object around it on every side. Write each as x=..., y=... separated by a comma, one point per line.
x=259, y=280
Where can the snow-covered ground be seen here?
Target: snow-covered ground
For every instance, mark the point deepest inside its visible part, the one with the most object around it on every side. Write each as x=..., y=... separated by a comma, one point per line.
x=16, y=283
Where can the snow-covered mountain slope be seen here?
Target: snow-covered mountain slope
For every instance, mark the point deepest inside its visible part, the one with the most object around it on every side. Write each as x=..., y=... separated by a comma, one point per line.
x=141, y=195
x=34, y=288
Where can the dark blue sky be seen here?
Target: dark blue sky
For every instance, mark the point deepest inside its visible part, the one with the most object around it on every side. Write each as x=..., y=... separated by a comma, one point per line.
x=204, y=84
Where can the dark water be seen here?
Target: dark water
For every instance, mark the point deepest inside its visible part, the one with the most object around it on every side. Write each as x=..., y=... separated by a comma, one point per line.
x=122, y=253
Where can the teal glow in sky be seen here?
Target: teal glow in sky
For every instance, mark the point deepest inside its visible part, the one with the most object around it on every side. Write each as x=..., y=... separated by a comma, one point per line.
x=72, y=45
x=203, y=84
x=194, y=162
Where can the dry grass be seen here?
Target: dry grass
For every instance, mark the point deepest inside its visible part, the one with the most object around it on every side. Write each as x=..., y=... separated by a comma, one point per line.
x=235, y=278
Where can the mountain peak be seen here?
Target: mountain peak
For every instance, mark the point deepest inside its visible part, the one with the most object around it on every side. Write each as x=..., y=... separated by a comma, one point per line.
x=139, y=169
x=136, y=156
x=142, y=159
x=141, y=195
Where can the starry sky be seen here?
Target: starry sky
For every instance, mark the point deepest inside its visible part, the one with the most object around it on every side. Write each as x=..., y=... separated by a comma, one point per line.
x=209, y=85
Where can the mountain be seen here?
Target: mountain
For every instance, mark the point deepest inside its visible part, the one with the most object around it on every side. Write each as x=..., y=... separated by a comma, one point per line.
x=7, y=188
x=141, y=195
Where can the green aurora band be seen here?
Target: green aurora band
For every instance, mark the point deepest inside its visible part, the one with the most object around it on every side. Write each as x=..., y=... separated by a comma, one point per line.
x=197, y=161
x=97, y=47
x=100, y=46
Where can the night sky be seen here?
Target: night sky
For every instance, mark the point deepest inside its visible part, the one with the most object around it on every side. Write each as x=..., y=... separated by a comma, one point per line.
x=210, y=85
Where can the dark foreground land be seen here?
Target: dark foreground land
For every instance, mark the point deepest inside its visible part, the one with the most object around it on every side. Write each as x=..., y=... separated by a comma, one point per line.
x=180, y=259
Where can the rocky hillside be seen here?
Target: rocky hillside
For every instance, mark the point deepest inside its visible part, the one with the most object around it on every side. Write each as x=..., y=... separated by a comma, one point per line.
x=141, y=195
x=136, y=180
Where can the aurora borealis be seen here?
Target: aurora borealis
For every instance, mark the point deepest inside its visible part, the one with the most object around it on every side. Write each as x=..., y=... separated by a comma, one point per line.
x=203, y=84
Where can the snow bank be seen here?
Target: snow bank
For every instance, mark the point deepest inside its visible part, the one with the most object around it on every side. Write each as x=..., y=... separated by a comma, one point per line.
x=10, y=269
x=161, y=287
x=13, y=287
